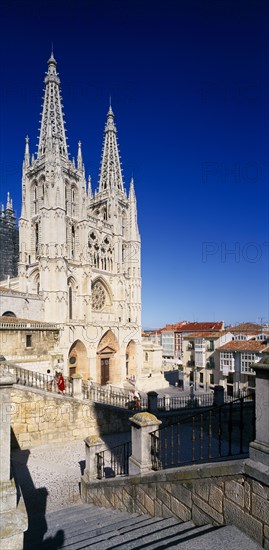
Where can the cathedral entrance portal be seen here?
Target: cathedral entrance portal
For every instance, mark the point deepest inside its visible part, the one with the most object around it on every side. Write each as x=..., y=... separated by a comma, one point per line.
x=108, y=360
x=77, y=360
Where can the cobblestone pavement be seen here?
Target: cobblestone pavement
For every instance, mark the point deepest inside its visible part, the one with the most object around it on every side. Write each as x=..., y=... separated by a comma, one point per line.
x=49, y=475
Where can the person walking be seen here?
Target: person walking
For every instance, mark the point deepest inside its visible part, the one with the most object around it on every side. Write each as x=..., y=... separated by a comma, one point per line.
x=137, y=399
x=60, y=384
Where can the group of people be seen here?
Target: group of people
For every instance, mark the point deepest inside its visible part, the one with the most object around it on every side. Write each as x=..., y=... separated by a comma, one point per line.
x=57, y=379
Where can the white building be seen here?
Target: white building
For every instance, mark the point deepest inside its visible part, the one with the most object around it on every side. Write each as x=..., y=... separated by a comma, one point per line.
x=79, y=261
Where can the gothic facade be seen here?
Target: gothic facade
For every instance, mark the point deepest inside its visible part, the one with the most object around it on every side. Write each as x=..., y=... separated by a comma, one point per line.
x=79, y=250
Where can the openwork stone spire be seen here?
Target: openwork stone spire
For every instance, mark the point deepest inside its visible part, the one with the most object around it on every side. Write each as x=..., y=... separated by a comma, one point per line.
x=52, y=122
x=110, y=172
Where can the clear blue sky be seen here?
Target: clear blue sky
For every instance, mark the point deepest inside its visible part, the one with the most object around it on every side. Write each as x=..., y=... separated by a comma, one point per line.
x=189, y=86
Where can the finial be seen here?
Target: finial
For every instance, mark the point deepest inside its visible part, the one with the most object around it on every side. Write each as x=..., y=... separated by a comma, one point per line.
x=52, y=58
x=9, y=203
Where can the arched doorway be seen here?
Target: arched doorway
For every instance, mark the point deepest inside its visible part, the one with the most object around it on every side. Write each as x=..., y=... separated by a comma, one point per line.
x=108, y=361
x=77, y=360
x=131, y=359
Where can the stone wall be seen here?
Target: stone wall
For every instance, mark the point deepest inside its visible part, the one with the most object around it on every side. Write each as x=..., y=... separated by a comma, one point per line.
x=38, y=418
x=211, y=493
x=14, y=344
x=25, y=306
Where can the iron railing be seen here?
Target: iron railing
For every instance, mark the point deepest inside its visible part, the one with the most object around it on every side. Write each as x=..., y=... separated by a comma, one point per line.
x=221, y=432
x=115, y=461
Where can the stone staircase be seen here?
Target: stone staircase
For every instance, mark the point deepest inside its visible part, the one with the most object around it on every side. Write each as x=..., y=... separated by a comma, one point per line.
x=87, y=526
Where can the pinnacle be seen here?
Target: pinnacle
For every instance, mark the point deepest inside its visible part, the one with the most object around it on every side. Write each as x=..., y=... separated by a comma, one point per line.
x=110, y=172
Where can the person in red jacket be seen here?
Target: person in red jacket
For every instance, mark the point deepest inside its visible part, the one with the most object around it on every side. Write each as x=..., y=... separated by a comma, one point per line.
x=60, y=384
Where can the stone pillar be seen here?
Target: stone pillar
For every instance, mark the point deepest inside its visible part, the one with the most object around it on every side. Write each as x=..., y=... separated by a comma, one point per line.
x=77, y=386
x=152, y=401
x=13, y=518
x=142, y=425
x=93, y=445
x=259, y=449
x=167, y=402
x=218, y=398
x=6, y=382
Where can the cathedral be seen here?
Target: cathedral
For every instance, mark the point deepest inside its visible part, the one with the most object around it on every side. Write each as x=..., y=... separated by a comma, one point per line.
x=79, y=251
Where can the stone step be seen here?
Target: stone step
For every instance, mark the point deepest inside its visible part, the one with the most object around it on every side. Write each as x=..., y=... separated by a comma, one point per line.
x=87, y=526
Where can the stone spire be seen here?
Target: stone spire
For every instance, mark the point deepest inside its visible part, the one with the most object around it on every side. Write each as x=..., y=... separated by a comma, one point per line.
x=79, y=157
x=110, y=172
x=132, y=211
x=9, y=213
x=9, y=203
x=89, y=187
x=26, y=153
x=52, y=122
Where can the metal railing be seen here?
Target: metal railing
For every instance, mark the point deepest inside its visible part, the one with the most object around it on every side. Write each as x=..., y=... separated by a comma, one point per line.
x=221, y=432
x=115, y=461
x=183, y=401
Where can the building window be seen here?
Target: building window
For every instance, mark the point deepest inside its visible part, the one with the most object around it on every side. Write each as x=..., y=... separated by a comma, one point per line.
x=201, y=377
x=226, y=361
x=211, y=345
x=211, y=379
x=247, y=359
x=146, y=356
x=28, y=340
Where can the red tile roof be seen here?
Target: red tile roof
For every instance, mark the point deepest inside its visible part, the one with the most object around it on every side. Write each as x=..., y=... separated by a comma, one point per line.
x=245, y=345
x=185, y=326
x=203, y=327
x=246, y=328
x=194, y=335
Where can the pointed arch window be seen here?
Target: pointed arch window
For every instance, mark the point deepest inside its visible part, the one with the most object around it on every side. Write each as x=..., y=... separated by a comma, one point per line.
x=73, y=200
x=36, y=238
x=70, y=301
x=73, y=234
x=35, y=199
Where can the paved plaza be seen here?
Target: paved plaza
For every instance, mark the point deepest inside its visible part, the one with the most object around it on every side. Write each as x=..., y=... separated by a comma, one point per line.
x=49, y=475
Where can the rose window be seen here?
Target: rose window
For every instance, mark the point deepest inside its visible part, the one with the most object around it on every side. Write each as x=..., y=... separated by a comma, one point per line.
x=98, y=297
